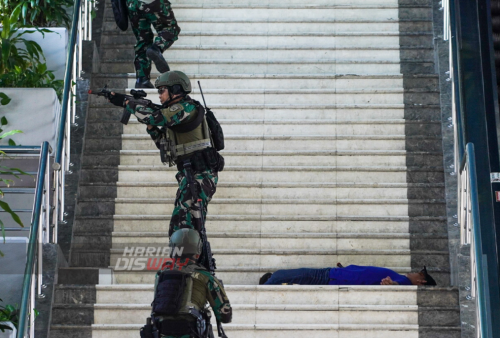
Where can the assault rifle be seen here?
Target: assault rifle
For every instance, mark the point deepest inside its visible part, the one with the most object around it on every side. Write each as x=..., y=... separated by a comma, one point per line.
x=137, y=97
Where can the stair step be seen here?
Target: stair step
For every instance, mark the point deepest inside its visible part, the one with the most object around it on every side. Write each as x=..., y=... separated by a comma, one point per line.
x=325, y=127
x=272, y=294
x=293, y=97
x=302, y=142
x=298, y=158
x=301, y=12
x=251, y=52
x=281, y=331
x=272, y=223
x=231, y=276
x=251, y=314
x=321, y=241
x=276, y=26
x=265, y=66
x=289, y=258
x=292, y=174
x=269, y=191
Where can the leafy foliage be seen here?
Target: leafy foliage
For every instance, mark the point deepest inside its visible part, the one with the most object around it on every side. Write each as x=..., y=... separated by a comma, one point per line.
x=40, y=13
x=4, y=170
x=9, y=313
x=25, y=68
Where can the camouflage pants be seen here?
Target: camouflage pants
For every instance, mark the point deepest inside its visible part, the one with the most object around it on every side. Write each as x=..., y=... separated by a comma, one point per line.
x=143, y=14
x=206, y=184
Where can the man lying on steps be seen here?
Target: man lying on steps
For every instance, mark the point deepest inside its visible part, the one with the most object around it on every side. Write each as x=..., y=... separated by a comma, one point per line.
x=349, y=275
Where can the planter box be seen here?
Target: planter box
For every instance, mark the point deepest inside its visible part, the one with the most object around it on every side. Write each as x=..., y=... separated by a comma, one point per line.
x=54, y=46
x=34, y=111
x=8, y=334
x=12, y=269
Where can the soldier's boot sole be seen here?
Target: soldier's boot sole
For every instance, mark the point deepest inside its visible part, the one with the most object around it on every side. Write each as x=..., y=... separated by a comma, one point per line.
x=158, y=59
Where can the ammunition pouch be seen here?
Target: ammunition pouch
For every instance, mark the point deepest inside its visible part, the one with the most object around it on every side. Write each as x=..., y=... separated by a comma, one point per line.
x=206, y=159
x=177, y=328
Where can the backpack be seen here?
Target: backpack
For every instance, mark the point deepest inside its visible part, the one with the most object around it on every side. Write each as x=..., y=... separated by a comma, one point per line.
x=120, y=12
x=215, y=130
x=169, y=291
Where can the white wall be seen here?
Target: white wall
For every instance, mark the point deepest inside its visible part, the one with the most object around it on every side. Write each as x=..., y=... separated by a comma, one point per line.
x=54, y=46
x=35, y=111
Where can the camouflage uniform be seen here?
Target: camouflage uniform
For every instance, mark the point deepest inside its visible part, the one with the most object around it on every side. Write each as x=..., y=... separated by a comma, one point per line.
x=182, y=111
x=143, y=14
x=206, y=288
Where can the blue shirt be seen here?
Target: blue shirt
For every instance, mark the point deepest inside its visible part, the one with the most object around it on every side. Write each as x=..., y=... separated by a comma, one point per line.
x=364, y=275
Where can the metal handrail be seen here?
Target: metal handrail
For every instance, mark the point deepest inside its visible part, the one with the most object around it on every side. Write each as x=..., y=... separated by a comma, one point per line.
x=38, y=236
x=81, y=29
x=471, y=235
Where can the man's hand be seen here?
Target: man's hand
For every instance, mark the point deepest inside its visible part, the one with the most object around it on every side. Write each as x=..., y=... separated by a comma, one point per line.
x=388, y=281
x=117, y=99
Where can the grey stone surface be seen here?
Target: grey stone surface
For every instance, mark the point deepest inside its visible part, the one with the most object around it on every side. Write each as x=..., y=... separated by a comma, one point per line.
x=53, y=258
x=79, y=276
x=73, y=314
x=90, y=59
x=439, y=313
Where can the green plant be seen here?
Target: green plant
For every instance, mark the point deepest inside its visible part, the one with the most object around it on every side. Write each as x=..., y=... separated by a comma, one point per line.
x=19, y=67
x=39, y=13
x=9, y=313
x=5, y=170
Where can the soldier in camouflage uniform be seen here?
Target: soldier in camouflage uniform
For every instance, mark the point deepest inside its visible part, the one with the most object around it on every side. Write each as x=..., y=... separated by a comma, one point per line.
x=143, y=14
x=178, y=110
x=204, y=288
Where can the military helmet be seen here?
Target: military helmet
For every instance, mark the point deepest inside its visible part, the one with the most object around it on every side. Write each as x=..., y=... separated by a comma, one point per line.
x=174, y=77
x=187, y=242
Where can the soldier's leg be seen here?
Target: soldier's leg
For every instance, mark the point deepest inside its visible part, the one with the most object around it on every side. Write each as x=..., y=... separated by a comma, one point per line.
x=163, y=19
x=206, y=185
x=141, y=27
x=166, y=26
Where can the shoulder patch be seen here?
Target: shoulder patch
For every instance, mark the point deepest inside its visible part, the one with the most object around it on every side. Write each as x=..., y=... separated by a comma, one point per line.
x=176, y=107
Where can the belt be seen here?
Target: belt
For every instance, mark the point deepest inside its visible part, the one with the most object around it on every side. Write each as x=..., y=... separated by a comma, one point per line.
x=184, y=149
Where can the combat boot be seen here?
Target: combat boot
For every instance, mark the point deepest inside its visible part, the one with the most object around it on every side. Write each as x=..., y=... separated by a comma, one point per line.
x=155, y=55
x=143, y=82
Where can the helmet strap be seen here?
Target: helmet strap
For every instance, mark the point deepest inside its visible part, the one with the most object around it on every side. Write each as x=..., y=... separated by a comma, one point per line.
x=172, y=100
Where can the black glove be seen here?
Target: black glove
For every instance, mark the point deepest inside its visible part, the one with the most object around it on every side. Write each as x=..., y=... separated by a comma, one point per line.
x=118, y=99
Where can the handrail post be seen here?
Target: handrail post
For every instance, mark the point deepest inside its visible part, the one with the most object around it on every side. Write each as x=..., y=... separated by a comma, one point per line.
x=29, y=287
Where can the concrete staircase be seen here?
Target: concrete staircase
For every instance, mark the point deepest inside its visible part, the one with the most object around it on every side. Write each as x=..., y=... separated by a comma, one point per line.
x=333, y=154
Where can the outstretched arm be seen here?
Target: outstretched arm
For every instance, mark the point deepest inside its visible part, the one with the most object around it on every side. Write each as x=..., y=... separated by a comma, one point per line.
x=219, y=302
x=145, y=114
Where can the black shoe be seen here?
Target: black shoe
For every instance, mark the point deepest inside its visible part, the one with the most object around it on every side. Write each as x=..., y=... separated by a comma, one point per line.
x=143, y=82
x=155, y=55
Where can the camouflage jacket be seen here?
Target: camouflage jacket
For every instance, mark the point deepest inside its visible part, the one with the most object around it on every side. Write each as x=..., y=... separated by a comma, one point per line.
x=172, y=115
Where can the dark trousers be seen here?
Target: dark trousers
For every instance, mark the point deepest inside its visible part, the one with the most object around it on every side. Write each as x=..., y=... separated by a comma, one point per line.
x=303, y=276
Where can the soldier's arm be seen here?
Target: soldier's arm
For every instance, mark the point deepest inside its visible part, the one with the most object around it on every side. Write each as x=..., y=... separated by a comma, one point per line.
x=218, y=301
x=183, y=114
x=145, y=114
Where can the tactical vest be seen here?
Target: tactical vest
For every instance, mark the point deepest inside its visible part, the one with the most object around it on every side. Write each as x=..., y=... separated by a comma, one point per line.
x=182, y=140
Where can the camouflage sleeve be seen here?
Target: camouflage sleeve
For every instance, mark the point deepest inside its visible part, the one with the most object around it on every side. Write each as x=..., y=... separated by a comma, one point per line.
x=145, y=114
x=218, y=301
x=155, y=133
x=182, y=115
